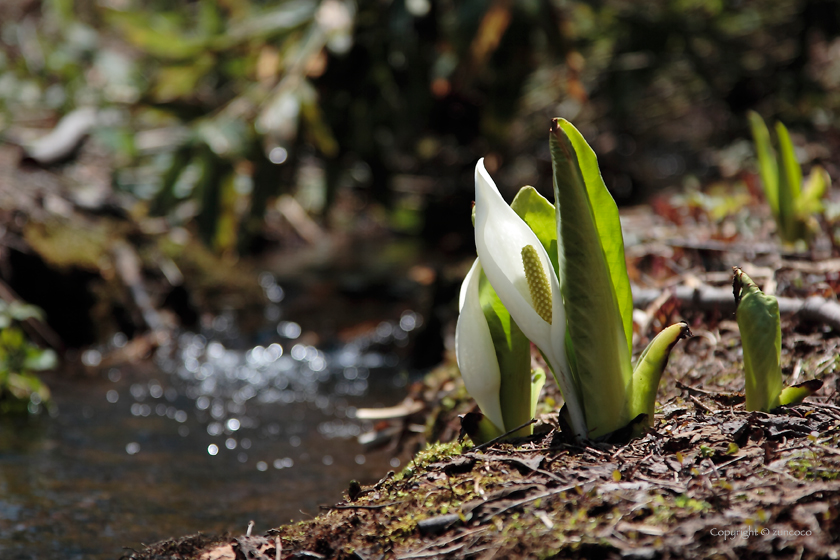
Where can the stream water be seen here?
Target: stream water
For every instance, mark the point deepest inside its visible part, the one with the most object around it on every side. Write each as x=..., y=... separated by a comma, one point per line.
x=209, y=435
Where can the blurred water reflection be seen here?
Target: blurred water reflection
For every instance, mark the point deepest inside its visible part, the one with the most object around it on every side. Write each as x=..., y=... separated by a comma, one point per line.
x=208, y=436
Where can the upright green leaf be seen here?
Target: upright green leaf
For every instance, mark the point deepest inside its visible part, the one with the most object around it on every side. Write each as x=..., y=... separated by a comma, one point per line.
x=790, y=182
x=790, y=165
x=593, y=316
x=767, y=167
x=537, y=382
x=813, y=191
x=608, y=225
x=761, y=336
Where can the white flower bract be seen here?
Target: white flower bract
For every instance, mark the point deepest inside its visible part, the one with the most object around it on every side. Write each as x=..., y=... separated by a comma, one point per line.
x=475, y=352
x=500, y=235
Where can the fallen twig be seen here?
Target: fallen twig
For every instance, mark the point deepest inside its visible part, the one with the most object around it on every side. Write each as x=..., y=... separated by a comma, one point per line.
x=707, y=298
x=504, y=435
x=700, y=404
x=725, y=246
x=359, y=506
x=62, y=140
x=128, y=266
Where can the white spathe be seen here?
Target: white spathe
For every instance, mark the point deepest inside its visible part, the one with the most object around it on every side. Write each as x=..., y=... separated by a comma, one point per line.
x=475, y=352
x=500, y=235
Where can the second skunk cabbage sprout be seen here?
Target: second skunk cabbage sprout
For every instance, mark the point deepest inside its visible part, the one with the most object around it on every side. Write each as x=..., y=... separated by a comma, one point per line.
x=559, y=271
x=760, y=325
x=792, y=200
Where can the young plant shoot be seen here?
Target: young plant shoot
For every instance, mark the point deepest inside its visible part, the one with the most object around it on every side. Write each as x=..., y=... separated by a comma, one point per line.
x=761, y=337
x=559, y=272
x=793, y=203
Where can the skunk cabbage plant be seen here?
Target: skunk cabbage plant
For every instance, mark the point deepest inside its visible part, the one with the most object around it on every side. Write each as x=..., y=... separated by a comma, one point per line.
x=792, y=202
x=559, y=271
x=758, y=320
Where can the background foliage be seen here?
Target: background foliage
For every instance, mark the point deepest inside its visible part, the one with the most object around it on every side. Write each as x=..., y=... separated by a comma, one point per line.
x=377, y=110
x=20, y=389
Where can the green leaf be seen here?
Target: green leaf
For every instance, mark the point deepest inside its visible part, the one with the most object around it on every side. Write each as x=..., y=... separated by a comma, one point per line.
x=38, y=359
x=23, y=385
x=159, y=35
x=593, y=316
x=180, y=81
x=795, y=394
x=790, y=165
x=537, y=383
x=767, y=167
x=276, y=20
x=608, y=224
x=761, y=337
x=813, y=191
x=790, y=184
x=12, y=338
x=513, y=352
x=649, y=368
x=539, y=214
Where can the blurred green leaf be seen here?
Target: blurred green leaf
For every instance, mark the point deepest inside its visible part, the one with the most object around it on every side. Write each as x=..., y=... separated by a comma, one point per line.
x=22, y=311
x=20, y=389
x=813, y=191
x=286, y=16
x=181, y=81
x=38, y=359
x=158, y=34
x=767, y=166
x=792, y=203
